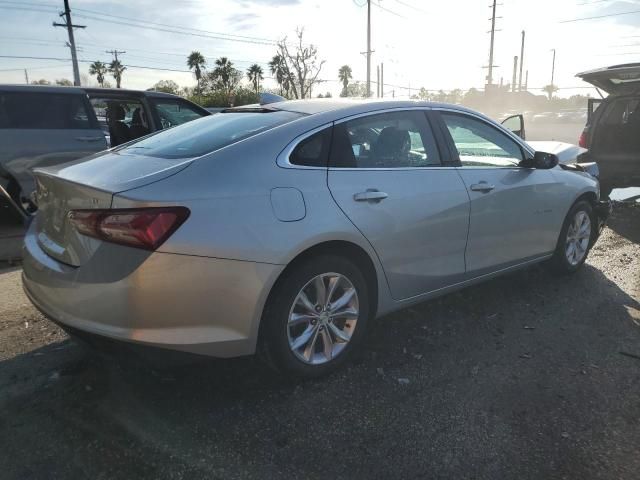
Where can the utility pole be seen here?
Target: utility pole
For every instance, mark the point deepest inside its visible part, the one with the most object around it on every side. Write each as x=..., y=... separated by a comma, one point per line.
x=368, y=47
x=526, y=81
x=515, y=70
x=114, y=53
x=493, y=31
x=382, y=80
x=26, y=76
x=553, y=65
x=521, y=62
x=72, y=43
x=378, y=82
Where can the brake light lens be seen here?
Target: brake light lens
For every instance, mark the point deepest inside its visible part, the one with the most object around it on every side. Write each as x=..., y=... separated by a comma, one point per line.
x=145, y=228
x=583, y=139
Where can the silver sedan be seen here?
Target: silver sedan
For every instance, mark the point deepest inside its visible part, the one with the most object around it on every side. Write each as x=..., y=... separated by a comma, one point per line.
x=286, y=228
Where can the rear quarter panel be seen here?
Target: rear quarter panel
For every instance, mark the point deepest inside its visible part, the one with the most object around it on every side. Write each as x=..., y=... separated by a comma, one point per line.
x=232, y=215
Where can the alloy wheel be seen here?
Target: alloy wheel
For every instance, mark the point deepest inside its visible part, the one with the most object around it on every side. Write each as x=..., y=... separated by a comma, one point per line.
x=578, y=237
x=323, y=318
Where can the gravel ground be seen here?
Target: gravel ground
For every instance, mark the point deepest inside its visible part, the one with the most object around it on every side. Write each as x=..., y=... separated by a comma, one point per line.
x=526, y=376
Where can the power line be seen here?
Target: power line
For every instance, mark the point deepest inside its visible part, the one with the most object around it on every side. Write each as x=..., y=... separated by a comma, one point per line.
x=176, y=29
x=410, y=6
x=388, y=11
x=599, y=16
x=246, y=37
x=171, y=30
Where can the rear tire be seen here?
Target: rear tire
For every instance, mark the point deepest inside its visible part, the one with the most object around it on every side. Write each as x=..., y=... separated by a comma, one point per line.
x=575, y=240
x=315, y=317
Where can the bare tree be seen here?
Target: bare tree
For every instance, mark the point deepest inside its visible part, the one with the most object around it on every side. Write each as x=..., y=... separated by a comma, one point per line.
x=301, y=66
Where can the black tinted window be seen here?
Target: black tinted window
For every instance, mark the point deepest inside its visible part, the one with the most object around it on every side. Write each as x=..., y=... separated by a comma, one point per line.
x=312, y=151
x=43, y=111
x=199, y=137
x=386, y=140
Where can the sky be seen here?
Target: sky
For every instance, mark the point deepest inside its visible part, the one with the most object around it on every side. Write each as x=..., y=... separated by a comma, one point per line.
x=422, y=43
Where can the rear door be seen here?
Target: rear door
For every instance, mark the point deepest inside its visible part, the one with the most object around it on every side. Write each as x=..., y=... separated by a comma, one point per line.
x=43, y=129
x=387, y=176
x=514, y=210
x=616, y=80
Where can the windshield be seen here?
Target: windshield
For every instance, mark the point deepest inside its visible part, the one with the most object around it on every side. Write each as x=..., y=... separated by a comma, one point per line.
x=197, y=138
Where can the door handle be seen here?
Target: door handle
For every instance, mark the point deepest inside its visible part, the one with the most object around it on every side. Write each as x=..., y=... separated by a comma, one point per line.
x=89, y=139
x=371, y=195
x=482, y=187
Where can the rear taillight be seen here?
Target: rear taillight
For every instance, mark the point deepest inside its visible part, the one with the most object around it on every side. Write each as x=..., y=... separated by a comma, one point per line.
x=146, y=228
x=583, y=139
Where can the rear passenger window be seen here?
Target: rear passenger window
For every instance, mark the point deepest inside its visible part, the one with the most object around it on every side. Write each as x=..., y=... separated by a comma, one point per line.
x=313, y=151
x=43, y=111
x=386, y=140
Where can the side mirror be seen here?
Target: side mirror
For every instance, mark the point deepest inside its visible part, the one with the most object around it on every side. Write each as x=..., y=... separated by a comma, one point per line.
x=515, y=124
x=541, y=160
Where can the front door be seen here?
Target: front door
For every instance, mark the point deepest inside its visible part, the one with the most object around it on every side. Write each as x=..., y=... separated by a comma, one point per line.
x=386, y=174
x=514, y=214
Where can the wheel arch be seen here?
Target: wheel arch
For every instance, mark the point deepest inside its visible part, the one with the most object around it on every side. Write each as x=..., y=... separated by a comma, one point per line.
x=343, y=248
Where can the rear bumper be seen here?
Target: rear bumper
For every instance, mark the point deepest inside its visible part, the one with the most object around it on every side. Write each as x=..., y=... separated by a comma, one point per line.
x=192, y=304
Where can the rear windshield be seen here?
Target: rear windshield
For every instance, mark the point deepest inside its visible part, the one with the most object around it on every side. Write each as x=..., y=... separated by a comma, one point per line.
x=205, y=135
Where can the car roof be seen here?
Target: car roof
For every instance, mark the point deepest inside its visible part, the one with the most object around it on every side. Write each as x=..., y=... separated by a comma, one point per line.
x=347, y=107
x=58, y=89
x=126, y=92
x=82, y=90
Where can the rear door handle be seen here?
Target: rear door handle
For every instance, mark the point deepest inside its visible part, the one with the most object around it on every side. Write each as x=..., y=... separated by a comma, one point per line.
x=89, y=139
x=482, y=187
x=371, y=195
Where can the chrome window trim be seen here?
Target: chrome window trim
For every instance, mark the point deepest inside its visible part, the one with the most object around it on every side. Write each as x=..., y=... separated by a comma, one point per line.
x=284, y=162
x=283, y=158
x=524, y=145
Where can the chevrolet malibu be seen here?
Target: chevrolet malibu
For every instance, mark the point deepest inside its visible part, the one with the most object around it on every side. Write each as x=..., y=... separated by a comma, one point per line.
x=285, y=229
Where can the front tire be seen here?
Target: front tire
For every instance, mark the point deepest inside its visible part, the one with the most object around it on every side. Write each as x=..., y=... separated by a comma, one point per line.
x=575, y=240
x=315, y=317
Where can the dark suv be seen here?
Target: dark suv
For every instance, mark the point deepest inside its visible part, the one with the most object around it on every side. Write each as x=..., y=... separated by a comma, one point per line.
x=612, y=133
x=43, y=125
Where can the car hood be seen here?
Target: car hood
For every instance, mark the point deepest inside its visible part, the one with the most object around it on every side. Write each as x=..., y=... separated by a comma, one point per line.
x=566, y=152
x=615, y=80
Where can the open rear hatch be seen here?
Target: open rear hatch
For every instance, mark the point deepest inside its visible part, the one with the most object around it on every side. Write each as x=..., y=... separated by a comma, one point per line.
x=89, y=184
x=615, y=80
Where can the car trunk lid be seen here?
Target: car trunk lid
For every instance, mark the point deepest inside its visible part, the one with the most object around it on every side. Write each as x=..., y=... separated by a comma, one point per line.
x=89, y=184
x=615, y=80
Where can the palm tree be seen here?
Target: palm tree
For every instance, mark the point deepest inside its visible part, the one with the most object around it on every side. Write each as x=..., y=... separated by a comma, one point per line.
x=278, y=68
x=117, y=69
x=254, y=73
x=98, y=69
x=196, y=62
x=225, y=75
x=344, y=74
x=550, y=90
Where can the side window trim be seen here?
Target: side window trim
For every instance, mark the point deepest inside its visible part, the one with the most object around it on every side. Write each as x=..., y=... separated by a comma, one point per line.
x=525, y=151
x=448, y=152
x=282, y=160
